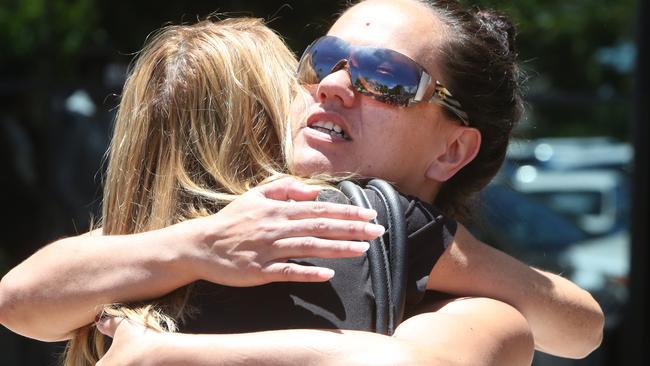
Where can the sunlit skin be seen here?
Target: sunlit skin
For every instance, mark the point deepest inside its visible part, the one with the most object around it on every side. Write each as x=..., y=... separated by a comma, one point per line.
x=395, y=143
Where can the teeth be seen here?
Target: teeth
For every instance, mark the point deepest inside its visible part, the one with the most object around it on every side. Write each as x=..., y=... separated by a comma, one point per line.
x=328, y=125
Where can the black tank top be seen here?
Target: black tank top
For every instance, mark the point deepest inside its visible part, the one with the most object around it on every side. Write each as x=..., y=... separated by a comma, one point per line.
x=344, y=302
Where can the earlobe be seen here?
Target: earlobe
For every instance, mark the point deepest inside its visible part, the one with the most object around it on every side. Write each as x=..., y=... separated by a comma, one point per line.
x=462, y=147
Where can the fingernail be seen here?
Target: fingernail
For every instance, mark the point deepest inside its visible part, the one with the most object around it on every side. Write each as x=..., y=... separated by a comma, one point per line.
x=361, y=246
x=99, y=318
x=375, y=230
x=326, y=273
x=367, y=213
x=100, y=323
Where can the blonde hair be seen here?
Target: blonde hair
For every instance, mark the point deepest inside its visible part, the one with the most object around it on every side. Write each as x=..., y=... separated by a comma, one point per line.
x=201, y=120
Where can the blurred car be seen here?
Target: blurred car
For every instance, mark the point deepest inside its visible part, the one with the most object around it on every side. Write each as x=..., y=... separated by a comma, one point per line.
x=595, y=199
x=572, y=153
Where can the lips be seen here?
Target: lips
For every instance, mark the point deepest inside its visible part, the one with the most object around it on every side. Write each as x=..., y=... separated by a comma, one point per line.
x=329, y=123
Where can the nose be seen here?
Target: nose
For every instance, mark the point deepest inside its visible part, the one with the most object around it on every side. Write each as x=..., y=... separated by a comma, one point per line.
x=337, y=87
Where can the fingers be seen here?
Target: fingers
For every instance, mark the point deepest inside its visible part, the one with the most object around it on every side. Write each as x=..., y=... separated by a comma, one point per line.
x=330, y=229
x=292, y=272
x=316, y=247
x=289, y=189
x=108, y=325
x=305, y=210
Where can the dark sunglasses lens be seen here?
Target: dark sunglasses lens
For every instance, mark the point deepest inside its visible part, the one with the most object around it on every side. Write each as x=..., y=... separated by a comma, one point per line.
x=385, y=75
x=320, y=58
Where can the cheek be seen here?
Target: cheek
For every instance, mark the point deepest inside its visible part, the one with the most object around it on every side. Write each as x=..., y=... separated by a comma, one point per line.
x=299, y=108
x=296, y=152
x=389, y=128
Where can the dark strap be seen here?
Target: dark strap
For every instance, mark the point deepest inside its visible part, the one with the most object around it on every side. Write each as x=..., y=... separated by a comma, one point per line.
x=387, y=255
x=398, y=247
x=377, y=258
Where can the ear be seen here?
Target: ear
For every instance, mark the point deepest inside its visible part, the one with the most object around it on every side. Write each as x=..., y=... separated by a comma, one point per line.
x=462, y=147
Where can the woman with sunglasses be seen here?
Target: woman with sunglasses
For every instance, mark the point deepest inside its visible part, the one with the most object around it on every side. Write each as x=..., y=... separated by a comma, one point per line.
x=347, y=133
x=425, y=94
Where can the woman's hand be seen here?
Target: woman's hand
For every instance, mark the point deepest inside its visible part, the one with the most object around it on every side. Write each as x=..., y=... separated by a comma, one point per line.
x=249, y=241
x=133, y=344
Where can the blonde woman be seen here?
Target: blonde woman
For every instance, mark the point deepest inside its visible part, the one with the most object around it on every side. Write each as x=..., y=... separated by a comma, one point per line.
x=232, y=254
x=201, y=121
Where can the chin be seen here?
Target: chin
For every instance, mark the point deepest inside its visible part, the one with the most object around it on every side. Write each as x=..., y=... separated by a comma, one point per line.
x=310, y=160
x=315, y=164
x=312, y=169
x=310, y=164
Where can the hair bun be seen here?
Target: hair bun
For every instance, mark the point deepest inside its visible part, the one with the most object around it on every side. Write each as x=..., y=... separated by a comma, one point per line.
x=500, y=26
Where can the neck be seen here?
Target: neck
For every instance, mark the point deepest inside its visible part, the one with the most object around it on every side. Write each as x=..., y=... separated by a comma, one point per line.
x=427, y=191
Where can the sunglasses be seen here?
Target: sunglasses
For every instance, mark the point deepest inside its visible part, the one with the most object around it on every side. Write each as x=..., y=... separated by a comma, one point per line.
x=379, y=73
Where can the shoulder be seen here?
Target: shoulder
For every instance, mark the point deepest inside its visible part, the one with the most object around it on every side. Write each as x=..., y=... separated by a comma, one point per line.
x=423, y=218
x=420, y=216
x=422, y=210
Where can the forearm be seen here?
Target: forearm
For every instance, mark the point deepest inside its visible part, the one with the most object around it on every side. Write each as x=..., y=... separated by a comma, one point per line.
x=290, y=347
x=565, y=320
x=476, y=332
x=61, y=287
x=568, y=321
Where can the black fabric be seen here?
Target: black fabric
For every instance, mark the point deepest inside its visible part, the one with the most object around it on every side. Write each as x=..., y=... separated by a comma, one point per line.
x=344, y=302
x=397, y=250
x=378, y=253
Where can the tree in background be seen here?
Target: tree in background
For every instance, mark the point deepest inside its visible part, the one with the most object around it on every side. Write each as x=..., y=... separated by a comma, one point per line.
x=579, y=56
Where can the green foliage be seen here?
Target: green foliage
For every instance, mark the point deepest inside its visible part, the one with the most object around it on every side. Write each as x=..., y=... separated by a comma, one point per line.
x=54, y=31
x=561, y=39
x=559, y=42
x=20, y=25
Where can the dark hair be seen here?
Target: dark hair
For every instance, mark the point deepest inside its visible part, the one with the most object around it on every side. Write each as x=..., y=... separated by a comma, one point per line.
x=478, y=63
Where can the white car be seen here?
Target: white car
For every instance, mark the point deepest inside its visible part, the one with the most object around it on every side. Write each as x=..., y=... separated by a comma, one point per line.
x=594, y=199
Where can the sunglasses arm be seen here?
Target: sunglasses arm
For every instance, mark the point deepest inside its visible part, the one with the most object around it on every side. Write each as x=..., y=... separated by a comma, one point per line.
x=425, y=80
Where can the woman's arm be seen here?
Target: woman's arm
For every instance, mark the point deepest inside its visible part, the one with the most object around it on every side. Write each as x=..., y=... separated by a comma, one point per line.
x=135, y=345
x=472, y=332
x=245, y=244
x=565, y=320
